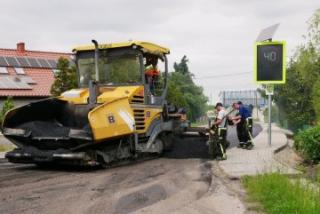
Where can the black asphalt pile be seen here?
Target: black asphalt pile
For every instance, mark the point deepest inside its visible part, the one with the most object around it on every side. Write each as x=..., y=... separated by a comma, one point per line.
x=45, y=129
x=195, y=147
x=188, y=147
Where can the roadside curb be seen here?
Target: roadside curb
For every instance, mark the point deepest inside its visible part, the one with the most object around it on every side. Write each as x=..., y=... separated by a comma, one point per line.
x=279, y=149
x=289, y=135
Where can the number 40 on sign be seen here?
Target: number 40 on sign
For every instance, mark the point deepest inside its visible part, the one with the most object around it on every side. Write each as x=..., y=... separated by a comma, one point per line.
x=270, y=62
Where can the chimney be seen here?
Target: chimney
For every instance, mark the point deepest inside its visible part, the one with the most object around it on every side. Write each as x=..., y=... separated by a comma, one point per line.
x=21, y=47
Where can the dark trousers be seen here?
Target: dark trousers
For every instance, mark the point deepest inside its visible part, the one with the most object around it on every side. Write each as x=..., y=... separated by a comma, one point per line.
x=223, y=139
x=217, y=146
x=243, y=131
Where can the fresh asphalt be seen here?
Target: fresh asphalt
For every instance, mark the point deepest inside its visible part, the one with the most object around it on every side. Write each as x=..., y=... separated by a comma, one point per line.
x=196, y=147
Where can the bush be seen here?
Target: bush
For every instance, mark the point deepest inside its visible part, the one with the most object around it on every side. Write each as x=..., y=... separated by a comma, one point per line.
x=7, y=105
x=308, y=143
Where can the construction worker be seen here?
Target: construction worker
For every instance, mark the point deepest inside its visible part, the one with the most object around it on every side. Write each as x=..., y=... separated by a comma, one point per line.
x=243, y=120
x=151, y=72
x=218, y=134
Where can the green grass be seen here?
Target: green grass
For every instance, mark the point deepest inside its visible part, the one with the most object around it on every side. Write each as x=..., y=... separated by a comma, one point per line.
x=318, y=174
x=278, y=194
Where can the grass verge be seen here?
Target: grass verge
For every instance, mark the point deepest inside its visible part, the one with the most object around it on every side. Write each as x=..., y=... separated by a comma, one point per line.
x=278, y=194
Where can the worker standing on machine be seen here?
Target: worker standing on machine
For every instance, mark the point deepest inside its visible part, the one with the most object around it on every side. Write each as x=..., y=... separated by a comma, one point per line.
x=219, y=132
x=244, y=125
x=151, y=72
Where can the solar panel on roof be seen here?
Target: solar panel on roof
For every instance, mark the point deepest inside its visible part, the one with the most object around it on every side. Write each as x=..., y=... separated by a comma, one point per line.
x=9, y=82
x=44, y=63
x=23, y=62
x=53, y=63
x=3, y=70
x=13, y=61
x=28, y=79
x=3, y=62
x=19, y=70
x=33, y=62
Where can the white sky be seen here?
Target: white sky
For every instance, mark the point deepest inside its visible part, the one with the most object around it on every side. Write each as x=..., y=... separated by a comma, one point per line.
x=217, y=36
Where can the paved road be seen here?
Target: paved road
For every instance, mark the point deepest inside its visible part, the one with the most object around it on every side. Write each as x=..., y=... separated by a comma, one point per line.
x=163, y=185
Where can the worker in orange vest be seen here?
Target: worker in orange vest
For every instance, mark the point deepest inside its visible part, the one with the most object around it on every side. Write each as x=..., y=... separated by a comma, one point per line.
x=151, y=72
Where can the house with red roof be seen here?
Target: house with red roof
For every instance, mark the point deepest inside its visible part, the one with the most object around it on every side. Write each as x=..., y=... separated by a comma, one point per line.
x=27, y=75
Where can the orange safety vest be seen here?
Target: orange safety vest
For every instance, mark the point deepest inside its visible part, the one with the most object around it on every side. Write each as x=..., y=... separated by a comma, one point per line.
x=152, y=72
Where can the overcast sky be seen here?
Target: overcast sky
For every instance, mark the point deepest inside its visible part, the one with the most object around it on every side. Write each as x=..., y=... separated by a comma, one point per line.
x=217, y=36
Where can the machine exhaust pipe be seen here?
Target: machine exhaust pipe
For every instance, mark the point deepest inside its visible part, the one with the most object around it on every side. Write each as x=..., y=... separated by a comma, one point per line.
x=93, y=84
x=96, y=58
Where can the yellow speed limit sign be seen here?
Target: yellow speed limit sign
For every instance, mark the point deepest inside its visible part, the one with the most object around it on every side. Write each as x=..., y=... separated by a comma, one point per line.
x=270, y=62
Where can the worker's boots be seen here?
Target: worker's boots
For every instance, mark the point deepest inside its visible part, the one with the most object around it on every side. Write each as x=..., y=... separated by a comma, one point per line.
x=248, y=145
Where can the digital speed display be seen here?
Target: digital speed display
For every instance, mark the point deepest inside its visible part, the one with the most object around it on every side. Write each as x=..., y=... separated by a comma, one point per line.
x=270, y=62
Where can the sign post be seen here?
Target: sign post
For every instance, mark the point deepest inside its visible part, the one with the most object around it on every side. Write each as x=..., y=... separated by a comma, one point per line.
x=269, y=92
x=270, y=69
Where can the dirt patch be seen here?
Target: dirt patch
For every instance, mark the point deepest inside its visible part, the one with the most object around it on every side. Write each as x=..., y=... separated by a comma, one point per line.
x=140, y=199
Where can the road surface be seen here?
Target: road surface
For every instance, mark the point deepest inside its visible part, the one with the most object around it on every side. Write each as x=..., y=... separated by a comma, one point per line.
x=173, y=183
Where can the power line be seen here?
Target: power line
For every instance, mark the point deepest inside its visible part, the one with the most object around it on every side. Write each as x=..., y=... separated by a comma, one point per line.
x=222, y=75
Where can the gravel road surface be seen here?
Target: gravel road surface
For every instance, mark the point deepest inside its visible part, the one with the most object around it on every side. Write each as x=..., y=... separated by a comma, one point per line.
x=177, y=182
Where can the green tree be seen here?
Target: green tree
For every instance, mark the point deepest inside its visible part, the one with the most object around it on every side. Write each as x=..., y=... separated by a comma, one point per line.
x=175, y=95
x=314, y=47
x=183, y=92
x=298, y=99
x=314, y=30
x=316, y=99
x=65, y=78
x=182, y=67
x=7, y=105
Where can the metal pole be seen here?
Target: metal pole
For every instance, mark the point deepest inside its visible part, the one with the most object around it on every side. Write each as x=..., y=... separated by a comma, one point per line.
x=256, y=103
x=96, y=58
x=269, y=119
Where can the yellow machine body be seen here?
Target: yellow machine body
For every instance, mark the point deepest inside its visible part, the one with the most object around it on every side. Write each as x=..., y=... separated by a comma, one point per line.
x=106, y=119
x=120, y=111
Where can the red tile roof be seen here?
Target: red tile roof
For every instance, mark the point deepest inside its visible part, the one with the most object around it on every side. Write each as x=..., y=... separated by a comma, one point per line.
x=44, y=77
x=35, y=54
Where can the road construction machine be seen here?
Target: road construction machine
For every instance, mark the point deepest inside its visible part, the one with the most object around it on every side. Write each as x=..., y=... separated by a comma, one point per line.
x=118, y=112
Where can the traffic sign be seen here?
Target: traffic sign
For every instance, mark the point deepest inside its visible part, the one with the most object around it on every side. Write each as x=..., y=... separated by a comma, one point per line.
x=270, y=62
